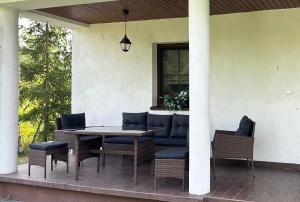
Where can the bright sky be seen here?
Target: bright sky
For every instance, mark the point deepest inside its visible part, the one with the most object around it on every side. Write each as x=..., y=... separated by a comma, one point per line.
x=24, y=22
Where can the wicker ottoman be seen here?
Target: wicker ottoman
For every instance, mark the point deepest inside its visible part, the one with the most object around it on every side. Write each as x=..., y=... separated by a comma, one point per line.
x=39, y=151
x=170, y=163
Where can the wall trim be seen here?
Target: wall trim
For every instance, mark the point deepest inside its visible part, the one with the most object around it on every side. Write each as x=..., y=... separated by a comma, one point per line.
x=266, y=164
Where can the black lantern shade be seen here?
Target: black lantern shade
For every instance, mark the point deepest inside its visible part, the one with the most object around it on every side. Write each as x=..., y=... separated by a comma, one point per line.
x=125, y=42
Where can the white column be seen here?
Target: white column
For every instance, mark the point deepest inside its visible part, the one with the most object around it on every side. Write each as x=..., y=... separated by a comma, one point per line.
x=199, y=173
x=9, y=78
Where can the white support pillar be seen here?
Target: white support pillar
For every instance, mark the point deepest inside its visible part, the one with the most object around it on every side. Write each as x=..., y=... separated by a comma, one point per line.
x=9, y=79
x=199, y=136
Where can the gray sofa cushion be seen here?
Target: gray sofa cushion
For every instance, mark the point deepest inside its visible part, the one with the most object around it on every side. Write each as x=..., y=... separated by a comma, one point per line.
x=47, y=146
x=180, y=126
x=245, y=127
x=125, y=140
x=155, y=121
x=73, y=121
x=134, y=121
x=173, y=153
x=172, y=142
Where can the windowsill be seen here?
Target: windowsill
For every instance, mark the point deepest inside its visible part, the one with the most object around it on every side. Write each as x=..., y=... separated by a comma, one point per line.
x=159, y=108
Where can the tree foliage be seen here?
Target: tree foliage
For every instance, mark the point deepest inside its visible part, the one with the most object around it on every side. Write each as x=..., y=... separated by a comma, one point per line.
x=45, y=76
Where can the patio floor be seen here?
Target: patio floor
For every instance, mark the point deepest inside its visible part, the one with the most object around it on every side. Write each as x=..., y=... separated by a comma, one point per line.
x=115, y=179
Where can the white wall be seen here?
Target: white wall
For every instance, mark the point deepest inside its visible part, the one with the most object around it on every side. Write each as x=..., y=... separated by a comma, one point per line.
x=107, y=81
x=254, y=62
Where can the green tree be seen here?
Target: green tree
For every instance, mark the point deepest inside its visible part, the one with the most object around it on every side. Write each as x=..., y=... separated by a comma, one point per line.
x=45, y=77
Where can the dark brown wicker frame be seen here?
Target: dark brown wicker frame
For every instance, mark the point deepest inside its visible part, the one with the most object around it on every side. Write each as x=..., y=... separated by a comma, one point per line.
x=83, y=147
x=229, y=145
x=139, y=151
x=173, y=168
x=39, y=158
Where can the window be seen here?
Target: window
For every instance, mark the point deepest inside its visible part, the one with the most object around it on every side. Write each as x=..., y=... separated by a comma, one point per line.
x=173, y=69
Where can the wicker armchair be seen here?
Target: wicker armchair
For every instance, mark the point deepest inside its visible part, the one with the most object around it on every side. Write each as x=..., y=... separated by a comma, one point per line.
x=231, y=145
x=85, y=144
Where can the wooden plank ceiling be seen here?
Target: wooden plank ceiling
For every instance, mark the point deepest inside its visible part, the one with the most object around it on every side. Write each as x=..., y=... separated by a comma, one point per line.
x=106, y=12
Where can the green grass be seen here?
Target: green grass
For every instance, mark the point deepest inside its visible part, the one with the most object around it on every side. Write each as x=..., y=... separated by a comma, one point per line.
x=27, y=131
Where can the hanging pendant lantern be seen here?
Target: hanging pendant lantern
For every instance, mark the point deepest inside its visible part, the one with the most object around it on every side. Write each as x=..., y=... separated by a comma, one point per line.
x=125, y=42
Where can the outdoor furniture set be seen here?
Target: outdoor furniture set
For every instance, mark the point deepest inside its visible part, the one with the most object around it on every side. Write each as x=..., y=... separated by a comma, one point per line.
x=140, y=135
x=171, y=143
x=143, y=136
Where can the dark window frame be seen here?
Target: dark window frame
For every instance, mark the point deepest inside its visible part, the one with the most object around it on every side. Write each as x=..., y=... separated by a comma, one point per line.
x=160, y=50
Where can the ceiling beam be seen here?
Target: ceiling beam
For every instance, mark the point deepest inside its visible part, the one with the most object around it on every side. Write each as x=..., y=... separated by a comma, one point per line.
x=53, y=19
x=39, y=4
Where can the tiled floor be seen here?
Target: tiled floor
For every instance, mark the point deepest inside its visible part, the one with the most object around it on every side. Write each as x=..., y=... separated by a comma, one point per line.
x=269, y=185
x=115, y=178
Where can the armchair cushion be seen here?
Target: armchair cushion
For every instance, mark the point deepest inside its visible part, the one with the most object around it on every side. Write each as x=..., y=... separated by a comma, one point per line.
x=180, y=126
x=87, y=138
x=134, y=121
x=245, y=127
x=73, y=121
x=173, y=153
x=155, y=121
x=47, y=146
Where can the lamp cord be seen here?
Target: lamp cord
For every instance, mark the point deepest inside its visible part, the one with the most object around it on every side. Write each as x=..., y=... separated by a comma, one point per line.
x=125, y=24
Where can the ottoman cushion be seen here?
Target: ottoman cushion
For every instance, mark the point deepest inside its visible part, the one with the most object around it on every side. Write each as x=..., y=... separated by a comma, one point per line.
x=173, y=153
x=47, y=146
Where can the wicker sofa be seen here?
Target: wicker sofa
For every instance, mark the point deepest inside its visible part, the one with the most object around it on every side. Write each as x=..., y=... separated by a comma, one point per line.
x=175, y=133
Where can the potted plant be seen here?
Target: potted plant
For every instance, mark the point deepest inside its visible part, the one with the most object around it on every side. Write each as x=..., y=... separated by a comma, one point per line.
x=176, y=101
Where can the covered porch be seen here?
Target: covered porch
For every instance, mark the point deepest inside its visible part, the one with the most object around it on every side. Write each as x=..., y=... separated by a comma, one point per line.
x=239, y=63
